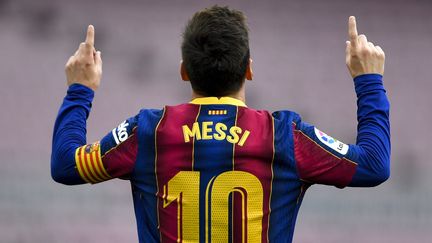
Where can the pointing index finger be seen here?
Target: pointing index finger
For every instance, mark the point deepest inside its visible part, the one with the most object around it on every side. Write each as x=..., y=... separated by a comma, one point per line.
x=90, y=35
x=352, y=30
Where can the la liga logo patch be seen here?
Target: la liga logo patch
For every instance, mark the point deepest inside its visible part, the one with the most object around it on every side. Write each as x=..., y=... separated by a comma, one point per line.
x=331, y=142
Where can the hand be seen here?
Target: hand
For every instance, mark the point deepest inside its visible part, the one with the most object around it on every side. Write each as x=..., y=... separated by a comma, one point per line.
x=85, y=66
x=362, y=57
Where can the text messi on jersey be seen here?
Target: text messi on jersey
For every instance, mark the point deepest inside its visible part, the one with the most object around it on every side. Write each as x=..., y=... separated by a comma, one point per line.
x=207, y=130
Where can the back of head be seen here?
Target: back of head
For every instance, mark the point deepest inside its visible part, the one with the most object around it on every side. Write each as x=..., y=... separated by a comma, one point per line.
x=215, y=51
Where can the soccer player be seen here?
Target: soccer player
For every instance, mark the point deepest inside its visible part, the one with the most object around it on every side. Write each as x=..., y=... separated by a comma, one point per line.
x=213, y=169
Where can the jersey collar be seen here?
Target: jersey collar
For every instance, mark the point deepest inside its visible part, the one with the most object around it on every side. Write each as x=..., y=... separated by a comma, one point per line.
x=218, y=101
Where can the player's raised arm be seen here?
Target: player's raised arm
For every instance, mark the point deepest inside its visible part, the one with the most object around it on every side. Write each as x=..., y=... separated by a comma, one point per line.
x=325, y=160
x=72, y=160
x=85, y=66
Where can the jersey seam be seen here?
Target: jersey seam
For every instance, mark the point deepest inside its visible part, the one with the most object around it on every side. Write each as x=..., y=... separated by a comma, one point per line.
x=340, y=158
x=115, y=147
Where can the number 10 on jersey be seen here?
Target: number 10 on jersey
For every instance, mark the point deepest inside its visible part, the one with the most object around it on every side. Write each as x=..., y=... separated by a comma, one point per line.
x=184, y=189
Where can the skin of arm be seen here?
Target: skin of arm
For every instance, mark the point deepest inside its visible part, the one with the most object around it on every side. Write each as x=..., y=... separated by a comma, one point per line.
x=85, y=66
x=361, y=56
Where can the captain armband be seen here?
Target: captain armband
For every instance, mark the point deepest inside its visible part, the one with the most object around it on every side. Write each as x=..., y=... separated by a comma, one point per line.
x=89, y=163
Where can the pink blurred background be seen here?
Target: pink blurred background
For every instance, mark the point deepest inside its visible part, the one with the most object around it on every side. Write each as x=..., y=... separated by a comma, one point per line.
x=298, y=51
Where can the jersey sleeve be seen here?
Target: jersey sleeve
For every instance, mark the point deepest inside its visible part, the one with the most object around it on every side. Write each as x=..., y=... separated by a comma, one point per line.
x=73, y=161
x=323, y=159
x=112, y=157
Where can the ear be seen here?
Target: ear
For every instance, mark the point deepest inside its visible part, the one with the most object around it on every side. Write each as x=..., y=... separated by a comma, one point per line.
x=183, y=73
x=249, y=72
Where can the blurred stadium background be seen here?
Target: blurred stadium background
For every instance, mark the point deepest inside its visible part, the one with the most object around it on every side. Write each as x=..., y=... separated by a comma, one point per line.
x=298, y=51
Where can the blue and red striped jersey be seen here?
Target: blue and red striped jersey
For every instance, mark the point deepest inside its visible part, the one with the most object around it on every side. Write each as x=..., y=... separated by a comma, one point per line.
x=214, y=170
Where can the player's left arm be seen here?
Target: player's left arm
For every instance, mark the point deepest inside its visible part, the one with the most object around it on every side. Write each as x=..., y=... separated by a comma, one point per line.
x=75, y=162
x=72, y=160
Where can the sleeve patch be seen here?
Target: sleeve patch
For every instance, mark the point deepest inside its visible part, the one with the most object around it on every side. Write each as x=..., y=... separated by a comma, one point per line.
x=317, y=165
x=119, y=161
x=330, y=142
x=120, y=133
x=89, y=163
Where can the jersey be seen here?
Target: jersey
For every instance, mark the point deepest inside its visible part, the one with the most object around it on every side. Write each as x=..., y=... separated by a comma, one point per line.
x=214, y=170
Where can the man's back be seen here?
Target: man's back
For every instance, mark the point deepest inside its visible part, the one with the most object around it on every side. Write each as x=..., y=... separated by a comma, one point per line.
x=213, y=165
x=213, y=169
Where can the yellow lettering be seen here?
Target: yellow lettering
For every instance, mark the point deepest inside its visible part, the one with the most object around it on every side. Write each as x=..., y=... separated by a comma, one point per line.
x=234, y=137
x=220, y=131
x=195, y=132
x=243, y=138
x=206, y=129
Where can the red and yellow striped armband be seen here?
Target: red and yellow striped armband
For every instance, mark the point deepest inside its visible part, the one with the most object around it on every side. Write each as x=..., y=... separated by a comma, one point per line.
x=89, y=163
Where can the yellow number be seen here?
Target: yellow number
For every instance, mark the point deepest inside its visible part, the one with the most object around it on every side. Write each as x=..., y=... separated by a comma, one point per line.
x=251, y=191
x=183, y=188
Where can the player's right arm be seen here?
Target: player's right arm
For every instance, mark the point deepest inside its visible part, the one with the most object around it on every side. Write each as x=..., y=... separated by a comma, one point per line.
x=325, y=160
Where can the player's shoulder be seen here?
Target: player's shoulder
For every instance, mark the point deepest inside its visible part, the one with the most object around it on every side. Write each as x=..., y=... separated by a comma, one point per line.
x=146, y=114
x=150, y=112
x=286, y=117
x=147, y=118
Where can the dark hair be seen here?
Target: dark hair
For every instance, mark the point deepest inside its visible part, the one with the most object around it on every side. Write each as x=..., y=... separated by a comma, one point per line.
x=215, y=50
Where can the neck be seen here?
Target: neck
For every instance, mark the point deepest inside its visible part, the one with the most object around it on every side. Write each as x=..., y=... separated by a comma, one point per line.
x=240, y=95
